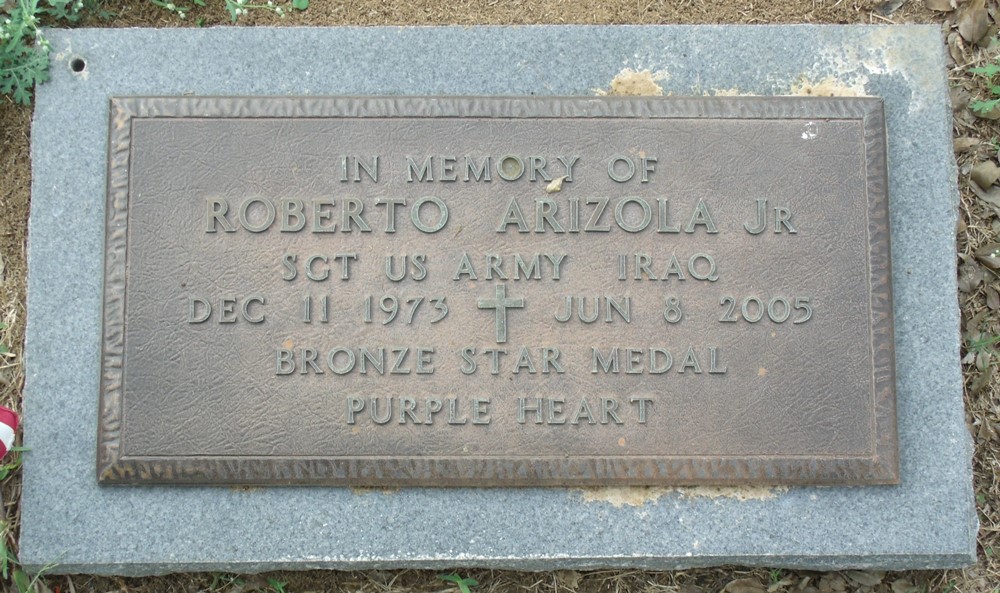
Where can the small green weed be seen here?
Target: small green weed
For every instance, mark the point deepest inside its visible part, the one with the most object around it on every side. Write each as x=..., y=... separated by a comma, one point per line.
x=181, y=10
x=4, y=349
x=276, y=585
x=8, y=561
x=464, y=585
x=24, y=50
x=13, y=464
x=10, y=568
x=985, y=106
x=983, y=343
x=24, y=55
x=237, y=8
x=25, y=584
x=223, y=580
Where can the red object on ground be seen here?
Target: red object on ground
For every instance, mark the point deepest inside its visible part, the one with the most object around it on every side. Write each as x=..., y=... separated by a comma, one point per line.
x=8, y=425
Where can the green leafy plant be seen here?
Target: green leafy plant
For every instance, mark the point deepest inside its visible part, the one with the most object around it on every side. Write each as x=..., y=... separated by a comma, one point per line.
x=24, y=56
x=464, y=585
x=181, y=10
x=984, y=106
x=237, y=8
x=13, y=464
x=24, y=51
x=276, y=585
x=4, y=349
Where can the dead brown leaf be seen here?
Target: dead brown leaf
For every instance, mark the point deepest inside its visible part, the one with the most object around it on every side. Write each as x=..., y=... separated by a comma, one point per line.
x=940, y=5
x=966, y=144
x=865, y=578
x=903, y=586
x=568, y=578
x=982, y=381
x=992, y=298
x=970, y=276
x=956, y=50
x=831, y=582
x=989, y=255
x=985, y=174
x=972, y=325
x=888, y=7
x=747, y=585
x=991, y=195
x=986, y=433
x=974, y=21
x=960, y=97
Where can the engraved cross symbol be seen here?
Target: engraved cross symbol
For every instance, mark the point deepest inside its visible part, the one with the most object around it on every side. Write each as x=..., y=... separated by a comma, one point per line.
x=501, y=303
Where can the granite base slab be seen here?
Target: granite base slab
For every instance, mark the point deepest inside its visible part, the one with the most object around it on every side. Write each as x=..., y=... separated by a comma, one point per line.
x=927, y=521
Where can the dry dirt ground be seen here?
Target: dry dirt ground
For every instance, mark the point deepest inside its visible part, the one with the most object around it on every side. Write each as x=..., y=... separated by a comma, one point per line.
x=976, y=141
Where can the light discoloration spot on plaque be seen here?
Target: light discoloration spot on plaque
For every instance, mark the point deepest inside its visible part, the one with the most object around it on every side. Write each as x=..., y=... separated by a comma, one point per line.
x=741, y=493
x=827, y=87
x=638, y=496
x=624, y=496
x=636, y=83
x=730, y=92
x=555, y=185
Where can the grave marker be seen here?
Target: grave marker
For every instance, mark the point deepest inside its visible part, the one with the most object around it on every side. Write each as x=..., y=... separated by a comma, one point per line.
x=928, y=519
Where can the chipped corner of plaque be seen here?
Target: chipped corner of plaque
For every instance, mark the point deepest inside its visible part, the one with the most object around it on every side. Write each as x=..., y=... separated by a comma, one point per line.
x=635, y=83
x=637, y=496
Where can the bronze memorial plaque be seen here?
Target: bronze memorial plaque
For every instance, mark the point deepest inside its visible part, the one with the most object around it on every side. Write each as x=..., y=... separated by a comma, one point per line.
x=413, y=291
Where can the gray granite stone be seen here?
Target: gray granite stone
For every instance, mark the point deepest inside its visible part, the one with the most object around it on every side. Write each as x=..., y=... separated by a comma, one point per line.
x=929, y=520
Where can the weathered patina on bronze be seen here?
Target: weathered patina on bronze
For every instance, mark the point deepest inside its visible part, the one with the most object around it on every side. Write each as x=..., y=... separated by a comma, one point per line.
x=497, y=292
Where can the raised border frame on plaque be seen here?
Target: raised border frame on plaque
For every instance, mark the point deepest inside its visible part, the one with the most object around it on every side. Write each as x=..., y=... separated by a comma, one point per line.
x=877, y=465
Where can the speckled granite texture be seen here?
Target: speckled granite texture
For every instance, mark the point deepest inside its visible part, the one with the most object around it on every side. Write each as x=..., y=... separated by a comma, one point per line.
x=929, y=520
